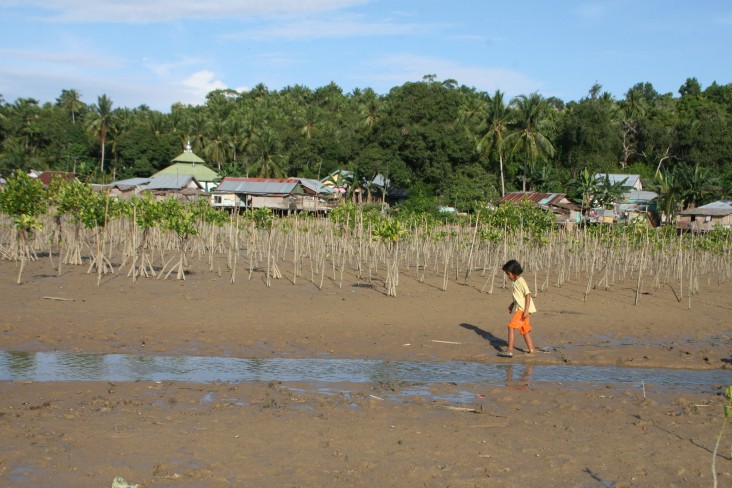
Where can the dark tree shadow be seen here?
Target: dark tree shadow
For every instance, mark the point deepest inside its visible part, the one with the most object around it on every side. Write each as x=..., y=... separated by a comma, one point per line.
x=497, y=343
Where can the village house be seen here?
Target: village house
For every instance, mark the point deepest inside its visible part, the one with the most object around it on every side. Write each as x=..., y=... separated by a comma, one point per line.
x=704, y=218
x=182, y=187
x=630, y=182
x=281, y=194
x=378, y=189
x=124, y=189
x=637, y=204
x=566, y=211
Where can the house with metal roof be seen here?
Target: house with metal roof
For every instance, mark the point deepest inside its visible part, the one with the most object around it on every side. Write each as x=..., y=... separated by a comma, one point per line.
x=704, y=218
x=629, y=182
x=188, y=163
x=566, y=210
x=281, y=194
x=636, y=204
x=366, y=190
x=183, y=187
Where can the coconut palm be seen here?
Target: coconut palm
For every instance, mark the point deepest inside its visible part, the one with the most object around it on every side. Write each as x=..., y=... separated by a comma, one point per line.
x=310, y=122
x=265, y=157
x=100, y=118
x=498, y=117
x=70, y=100
x=526, y=139
x=370, y=108
x=215, y=143
x=237, y=135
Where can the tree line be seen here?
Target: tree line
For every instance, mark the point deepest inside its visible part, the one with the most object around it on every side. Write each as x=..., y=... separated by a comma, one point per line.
x=446, y=143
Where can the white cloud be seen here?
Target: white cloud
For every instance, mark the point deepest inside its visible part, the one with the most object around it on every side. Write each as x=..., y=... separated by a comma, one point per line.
x=151, y=11
x=199, y=84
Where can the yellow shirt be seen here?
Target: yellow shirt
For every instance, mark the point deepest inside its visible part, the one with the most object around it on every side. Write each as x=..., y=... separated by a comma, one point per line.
x=520, y=290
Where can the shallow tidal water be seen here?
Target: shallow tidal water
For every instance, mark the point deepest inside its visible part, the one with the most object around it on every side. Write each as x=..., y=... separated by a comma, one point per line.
x=75, y=366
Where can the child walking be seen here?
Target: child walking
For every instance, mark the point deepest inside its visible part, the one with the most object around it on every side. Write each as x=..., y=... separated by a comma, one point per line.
x=521, y=307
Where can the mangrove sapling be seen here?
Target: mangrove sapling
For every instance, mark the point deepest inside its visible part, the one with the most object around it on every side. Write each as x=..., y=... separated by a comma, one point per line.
x=27, y=227
x=94, y=215
x=388, y=233
x=179, y=219
x=146, y=212
x=24, y=200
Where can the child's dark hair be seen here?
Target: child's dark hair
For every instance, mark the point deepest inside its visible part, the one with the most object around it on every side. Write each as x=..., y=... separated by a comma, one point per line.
x=513, y=267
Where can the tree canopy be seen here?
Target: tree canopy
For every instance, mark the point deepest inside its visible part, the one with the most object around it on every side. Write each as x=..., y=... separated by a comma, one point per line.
x=468, y=147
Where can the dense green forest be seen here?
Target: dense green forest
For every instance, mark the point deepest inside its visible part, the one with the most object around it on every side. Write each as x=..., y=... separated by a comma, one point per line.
x=444, y=142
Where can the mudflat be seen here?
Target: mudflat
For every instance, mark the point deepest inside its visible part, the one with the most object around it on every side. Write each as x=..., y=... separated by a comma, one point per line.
x=513, y=432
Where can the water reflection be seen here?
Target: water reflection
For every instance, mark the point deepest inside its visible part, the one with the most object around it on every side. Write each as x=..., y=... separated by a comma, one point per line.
x=519, y=380
x=65, y=366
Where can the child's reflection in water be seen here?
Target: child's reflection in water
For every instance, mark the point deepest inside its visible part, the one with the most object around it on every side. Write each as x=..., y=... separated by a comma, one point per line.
x=523, y=381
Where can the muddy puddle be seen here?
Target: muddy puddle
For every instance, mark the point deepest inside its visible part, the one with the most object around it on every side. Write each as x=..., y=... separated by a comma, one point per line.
x=74, y=366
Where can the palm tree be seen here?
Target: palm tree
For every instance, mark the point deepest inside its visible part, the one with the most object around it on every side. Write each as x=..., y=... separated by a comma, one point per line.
x=215, y=143
x=497, y=120
x=370, y=108
x=237, y=135
x=526, y=138
x=26, y=112
x=309, y=122
x=156, y=122
x=101, y=116
x=197, y=125
x=71, y=101
x=264, y=152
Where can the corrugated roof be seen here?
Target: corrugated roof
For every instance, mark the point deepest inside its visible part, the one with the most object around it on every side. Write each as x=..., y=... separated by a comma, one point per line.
x=639, y=196
x=257, y=186
x=315, y=186
x=720, y=208
x=171, y=182
x=129, y=183
x=533, y=196
x=199, y=171
x=630, y=180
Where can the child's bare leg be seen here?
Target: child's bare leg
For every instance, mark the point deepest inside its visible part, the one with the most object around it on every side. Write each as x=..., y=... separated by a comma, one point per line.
x=511, y=339
x=529, y=341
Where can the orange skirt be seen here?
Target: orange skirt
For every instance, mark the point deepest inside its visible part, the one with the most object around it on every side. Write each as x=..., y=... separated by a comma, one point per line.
x=517, y=322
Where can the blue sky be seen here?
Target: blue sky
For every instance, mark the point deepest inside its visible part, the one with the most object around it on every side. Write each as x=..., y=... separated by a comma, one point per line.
x=158, y=52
